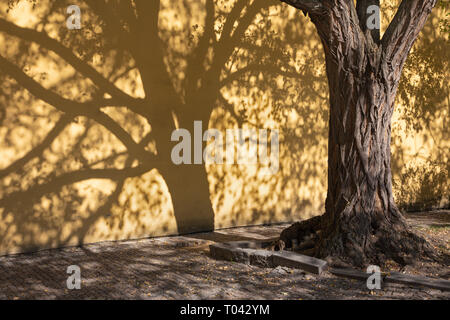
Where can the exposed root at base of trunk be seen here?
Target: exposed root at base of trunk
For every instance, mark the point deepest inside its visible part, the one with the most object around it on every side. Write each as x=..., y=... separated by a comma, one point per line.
x=346, y=245
x=398, y=243
x=301, y=235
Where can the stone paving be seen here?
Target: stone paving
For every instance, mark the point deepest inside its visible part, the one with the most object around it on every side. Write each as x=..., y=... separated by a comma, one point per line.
x=177, y=268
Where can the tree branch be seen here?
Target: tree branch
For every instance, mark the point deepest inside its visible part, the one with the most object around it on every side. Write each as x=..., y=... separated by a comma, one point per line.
x=404, y=30
x=37, y=151
x=50, y=97
x=228, y=40
x=79, y=65
x=150, y=56
x=62, y=180
x=195, y=69
x=258, y=67
x=88, y=109
x=307, y=6
x=112, y=22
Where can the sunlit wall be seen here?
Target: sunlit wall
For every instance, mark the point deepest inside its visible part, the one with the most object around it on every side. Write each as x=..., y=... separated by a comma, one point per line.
x=67, y=179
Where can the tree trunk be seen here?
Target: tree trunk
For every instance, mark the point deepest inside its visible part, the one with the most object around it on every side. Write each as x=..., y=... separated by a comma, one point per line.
x=187, y=183
x=362, y=223
x=189, y=189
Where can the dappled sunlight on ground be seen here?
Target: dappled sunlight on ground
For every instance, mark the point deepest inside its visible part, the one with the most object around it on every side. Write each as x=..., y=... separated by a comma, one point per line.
x=179, y=268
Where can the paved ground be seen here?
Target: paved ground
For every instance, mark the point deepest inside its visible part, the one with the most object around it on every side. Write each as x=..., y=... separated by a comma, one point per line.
x=178, y=268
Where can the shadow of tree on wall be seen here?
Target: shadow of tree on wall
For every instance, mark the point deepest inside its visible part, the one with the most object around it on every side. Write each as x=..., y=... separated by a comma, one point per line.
x=111, y=94
x=86, y=117
x=421, y=173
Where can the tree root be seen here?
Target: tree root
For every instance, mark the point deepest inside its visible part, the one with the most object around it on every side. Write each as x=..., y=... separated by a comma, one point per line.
x=300, y=236
x=346, y=245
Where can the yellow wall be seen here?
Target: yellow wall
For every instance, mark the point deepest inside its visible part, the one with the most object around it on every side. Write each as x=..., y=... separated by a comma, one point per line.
x=285, y=89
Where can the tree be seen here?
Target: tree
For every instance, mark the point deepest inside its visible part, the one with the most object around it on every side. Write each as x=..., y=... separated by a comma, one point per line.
x=361, y=223
x=124, y=42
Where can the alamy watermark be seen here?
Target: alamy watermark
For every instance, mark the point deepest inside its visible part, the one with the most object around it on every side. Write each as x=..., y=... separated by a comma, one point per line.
x=238, y=146
x=249, y=145
x=74, y=280
x=373, y=20
x=374, y=280
x=74, y=20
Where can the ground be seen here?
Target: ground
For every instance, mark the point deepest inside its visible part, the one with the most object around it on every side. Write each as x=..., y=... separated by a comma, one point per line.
x=180, y=268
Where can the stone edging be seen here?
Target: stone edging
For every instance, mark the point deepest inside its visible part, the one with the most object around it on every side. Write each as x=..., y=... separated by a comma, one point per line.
x=253, y=252
x=395, y=277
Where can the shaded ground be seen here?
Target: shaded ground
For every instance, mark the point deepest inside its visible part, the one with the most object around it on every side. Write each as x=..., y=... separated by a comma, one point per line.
x=435, y=227
x=180, y=268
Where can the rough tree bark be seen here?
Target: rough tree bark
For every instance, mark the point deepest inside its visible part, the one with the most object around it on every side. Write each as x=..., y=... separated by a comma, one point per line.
x=361, y=223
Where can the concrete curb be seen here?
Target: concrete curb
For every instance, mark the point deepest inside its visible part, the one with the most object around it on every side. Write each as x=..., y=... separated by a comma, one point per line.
x=395, y=277
x=252, y=252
